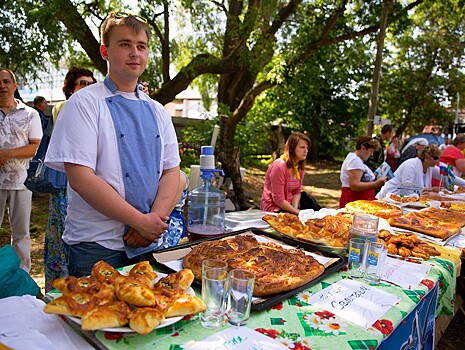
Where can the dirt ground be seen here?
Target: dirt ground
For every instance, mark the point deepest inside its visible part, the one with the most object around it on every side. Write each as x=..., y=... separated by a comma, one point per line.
x=321, y=181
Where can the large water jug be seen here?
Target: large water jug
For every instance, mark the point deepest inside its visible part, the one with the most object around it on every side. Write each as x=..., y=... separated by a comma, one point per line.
x=206, y=203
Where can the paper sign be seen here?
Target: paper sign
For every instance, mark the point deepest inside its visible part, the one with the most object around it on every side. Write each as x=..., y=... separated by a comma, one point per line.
x=356, y=302
x=403, y=273
x=237, y=338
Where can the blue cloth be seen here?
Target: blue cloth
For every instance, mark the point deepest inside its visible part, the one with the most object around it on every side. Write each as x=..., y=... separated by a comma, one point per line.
x=14, y=281
x=139, y=146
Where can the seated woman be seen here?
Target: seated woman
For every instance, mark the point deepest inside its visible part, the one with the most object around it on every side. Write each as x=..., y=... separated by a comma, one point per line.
x=282, y=190
x=417, y=171
x=358, y=181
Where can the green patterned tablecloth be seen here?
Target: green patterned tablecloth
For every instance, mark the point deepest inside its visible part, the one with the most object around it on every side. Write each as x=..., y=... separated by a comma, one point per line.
x=299, y=325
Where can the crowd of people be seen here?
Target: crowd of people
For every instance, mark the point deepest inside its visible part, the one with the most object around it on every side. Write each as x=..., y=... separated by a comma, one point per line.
x=119, y=204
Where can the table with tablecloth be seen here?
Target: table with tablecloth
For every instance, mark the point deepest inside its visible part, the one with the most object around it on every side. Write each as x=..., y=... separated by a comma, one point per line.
x=299, y=325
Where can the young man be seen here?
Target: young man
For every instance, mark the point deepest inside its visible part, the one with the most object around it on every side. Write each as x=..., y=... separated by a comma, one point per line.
x=20, y=134
x=379, y=155
x=120, y=153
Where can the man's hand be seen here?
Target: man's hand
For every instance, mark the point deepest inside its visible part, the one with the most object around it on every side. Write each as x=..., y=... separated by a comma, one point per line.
x=134, y=239
x=4, y=156
x=152, y=226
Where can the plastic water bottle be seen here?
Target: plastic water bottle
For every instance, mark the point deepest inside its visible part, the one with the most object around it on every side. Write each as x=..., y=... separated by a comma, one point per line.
x=206, y=203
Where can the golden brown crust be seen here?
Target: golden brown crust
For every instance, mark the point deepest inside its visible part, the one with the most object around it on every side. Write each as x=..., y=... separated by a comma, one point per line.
x=104, y=273
x=136, y=294
x=428, y=226
x=144, y=320
x=378, y=208
x=407, y=245
x=109, y=315
x=102, y=304
x=144, y=273
x=72, y=304
x=331, y=230
x=276, y=269
x=186, y=304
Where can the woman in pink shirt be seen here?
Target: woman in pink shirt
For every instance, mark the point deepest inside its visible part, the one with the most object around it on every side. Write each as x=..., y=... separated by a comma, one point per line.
x=283, y=180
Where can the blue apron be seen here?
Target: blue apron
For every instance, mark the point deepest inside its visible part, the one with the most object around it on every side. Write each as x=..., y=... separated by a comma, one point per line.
x=139, y=147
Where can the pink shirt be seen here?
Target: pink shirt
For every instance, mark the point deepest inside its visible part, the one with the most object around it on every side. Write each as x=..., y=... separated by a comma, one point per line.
x=279, y=186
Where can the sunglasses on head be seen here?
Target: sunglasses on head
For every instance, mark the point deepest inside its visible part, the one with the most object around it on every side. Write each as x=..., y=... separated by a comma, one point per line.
x=84, y=83
x=120, y=14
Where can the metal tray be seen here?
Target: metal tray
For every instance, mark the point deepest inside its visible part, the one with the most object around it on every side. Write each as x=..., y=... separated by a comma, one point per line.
x=178, y=252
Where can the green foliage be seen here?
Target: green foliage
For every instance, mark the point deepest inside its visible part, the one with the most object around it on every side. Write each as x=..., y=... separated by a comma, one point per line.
x=30, y=36
x=423, y=74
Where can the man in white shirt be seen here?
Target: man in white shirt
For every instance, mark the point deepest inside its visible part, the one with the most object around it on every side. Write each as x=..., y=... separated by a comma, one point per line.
x=120, y=153
x=20, y=134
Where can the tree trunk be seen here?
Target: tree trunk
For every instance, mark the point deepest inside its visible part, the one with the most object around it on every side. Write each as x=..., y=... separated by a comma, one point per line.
x=373, y=104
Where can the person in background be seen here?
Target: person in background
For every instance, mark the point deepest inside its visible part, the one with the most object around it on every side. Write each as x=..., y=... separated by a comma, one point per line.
x=393, y=153
x=20, y=135
x=412, y=149
x=358, y=181
x=55, y=262
x=40, y=105
x=283, y=180
x=453, y=155
x=120, y=153
x=379, y=155
x=414, y=171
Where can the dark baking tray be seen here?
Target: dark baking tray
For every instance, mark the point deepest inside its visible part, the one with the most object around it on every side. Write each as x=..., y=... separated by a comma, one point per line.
x=265, y=303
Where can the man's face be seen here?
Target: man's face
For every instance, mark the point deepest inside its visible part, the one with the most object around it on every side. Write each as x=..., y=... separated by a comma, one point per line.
x=7, y=86
x=388, y=136
x=42, y=105
x=127, y=55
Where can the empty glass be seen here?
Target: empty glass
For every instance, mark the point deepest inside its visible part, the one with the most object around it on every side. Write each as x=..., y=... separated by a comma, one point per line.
x=375, y=258
x=214, y=292
x=241, y=284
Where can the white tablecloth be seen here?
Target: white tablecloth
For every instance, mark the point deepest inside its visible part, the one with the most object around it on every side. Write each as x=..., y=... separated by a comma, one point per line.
x=24, y=325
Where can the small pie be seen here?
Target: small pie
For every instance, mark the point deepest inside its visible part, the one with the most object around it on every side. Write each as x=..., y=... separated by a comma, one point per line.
x=145, y=319
x=109, y=315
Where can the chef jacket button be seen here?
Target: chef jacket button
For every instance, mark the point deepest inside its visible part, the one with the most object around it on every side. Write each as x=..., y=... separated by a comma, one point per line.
x=158, y=136
x=127, y=174
x=122, y=135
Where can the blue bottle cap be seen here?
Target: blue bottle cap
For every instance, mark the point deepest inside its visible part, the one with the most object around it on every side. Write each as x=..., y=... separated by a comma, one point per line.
x=206, y=151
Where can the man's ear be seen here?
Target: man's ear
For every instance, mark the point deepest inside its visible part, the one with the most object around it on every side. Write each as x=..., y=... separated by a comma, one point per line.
x=103, y=52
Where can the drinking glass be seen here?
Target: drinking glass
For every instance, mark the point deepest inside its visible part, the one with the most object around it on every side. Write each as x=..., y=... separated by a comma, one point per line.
x=357, y=248
x=375, y=259
x=241, y=284
x=214, y=292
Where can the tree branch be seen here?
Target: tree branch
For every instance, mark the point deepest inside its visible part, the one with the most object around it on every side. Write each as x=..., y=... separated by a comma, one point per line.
x=201, y=64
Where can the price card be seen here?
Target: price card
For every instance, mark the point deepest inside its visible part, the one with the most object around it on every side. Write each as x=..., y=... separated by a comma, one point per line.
x=237, y=338
x=354, y=301
x=403, y=273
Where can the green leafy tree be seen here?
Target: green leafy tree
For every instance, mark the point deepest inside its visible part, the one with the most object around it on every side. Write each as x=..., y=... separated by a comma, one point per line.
x=235, y=40
x=423, y=69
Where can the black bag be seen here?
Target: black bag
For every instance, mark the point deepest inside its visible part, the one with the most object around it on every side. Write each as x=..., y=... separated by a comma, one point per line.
x=308, y=202
x=41, y=178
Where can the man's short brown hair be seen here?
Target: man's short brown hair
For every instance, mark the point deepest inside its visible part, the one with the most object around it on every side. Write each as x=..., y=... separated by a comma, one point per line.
x=123, y=20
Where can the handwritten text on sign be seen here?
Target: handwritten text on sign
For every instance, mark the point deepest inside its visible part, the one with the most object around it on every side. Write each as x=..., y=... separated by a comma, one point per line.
x=356, y=302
